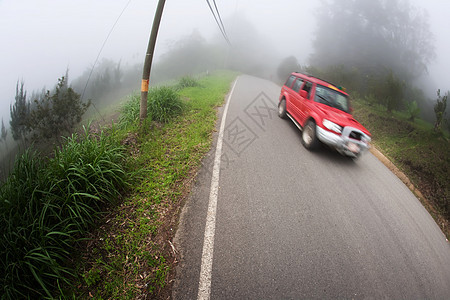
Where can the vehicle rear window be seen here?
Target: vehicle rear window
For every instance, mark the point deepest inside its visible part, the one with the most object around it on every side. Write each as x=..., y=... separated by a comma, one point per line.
x=290, y=81
x=331, y=98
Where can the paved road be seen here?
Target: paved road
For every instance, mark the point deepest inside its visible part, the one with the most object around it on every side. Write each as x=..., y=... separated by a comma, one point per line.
x=292, y=224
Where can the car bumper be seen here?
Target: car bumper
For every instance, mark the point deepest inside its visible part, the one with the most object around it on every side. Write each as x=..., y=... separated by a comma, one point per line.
x=343, y=143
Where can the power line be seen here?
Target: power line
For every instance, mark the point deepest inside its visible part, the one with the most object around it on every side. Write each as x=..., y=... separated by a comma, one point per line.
x=220, y=19
x=220, y=24
x=101, y=49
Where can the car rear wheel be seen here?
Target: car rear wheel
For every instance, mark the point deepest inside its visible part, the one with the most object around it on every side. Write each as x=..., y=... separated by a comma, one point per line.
x=282, y=109
x=309, y=137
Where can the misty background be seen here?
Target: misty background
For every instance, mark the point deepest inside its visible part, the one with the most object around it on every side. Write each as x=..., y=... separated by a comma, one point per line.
x=41, y=39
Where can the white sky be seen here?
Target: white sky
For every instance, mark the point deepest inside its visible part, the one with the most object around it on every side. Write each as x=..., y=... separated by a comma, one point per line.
x=439, y=12
x=41, y=38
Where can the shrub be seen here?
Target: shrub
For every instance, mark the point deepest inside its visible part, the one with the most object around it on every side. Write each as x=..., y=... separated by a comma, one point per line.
x=56, y=113
x=187, y=81
x=164, y=103
x=46, y=205
x=130, y=110
x=413, y=110
x=439, y=109
x=371, y=99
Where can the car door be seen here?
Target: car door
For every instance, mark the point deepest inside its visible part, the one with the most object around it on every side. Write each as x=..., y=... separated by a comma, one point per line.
x=303, y=105
x=287, y=89
x=296, y=99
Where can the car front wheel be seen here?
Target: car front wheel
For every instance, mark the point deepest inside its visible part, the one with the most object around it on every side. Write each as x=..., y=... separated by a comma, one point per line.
x=282, y=109
x=309, y=137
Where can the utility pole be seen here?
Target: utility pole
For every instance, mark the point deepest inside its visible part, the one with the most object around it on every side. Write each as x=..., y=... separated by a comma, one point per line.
x=148, y=60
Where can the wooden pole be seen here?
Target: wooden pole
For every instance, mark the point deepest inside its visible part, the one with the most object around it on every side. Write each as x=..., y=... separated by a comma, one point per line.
x=148, y=60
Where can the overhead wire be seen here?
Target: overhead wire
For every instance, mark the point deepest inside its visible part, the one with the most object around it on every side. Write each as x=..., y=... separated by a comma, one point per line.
x=100, y=51
x=220, y=19
x=219, y=23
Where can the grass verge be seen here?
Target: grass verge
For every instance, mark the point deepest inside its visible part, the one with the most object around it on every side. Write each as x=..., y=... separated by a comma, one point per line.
x=418, y=151
x=47, y=205
x=130, y=255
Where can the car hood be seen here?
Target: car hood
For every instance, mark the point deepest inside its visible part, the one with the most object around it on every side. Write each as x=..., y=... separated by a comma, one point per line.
x=342, y=118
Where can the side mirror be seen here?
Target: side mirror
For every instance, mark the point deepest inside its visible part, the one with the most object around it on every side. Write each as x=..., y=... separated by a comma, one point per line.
x=303, y=94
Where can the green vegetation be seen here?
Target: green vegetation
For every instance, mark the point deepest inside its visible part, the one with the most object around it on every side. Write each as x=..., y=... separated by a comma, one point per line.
x=129, y=254
x=187, y=81
x=439, y=109
x=375, y=37
x=164, y=104
x=129, y=112
x=46, y=205
x=419, y=151
x=19, y=113
x=391, y=92
x=413, y=111
x=4, y=133
x=111, y=198
x=50, y=114
x=56, y=113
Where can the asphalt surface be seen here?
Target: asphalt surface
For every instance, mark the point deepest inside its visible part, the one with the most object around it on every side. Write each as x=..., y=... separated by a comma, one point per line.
x=294, y=224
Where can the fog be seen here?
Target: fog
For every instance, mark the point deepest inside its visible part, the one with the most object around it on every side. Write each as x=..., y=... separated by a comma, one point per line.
x=43, y=38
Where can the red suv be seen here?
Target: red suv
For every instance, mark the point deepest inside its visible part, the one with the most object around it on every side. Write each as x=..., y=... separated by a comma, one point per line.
x=323, y=113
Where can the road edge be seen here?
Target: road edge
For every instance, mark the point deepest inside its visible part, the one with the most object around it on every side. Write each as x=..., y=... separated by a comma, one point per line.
x=440, y=221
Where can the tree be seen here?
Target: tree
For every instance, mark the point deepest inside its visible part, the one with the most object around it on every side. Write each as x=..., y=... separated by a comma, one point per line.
x=388, y=90
x=439, y=109
x=338, y=74
x=189, y=55
x=101, y=83
x=4, y=133
x=36, y=96
x=56, y=113
x=413, y=110
x=393, y=92
x=287, y=66
x=372, y=36
x=118, y=74
x=20, y=111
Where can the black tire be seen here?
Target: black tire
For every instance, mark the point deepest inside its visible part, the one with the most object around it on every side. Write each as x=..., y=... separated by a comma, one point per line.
x=309, y=137
x=282, y=109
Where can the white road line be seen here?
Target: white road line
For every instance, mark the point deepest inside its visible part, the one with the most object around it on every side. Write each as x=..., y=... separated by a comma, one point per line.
x=204, y=287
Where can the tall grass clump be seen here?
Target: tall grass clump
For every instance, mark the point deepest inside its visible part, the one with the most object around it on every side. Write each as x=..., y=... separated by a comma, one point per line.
x=130, y=111
x=46, y=205
x=164, y=104
x=187, y=81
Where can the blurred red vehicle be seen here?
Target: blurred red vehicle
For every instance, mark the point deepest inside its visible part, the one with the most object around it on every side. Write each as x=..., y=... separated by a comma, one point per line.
x=322, y=111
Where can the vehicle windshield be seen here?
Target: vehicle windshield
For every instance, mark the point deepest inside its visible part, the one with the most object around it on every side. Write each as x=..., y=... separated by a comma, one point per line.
x=331, y=98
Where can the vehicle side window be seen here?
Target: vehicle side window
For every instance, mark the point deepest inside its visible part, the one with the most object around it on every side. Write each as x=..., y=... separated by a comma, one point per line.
x=297, y=85
x=290, y=81
x=307, y=87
